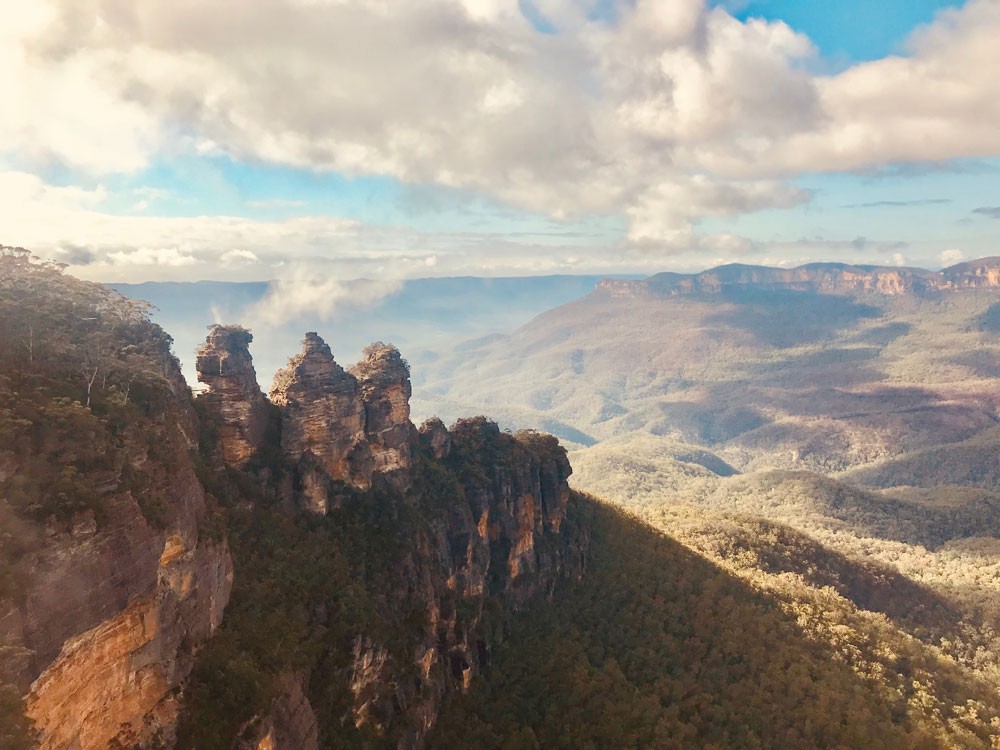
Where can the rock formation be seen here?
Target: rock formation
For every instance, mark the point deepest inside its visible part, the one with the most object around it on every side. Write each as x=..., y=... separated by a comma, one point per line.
x=436, y=436
x=384, y=379
x=340, y=426
x=224, y=364
x=323, y=422
x=115, y=572
x=496, y=544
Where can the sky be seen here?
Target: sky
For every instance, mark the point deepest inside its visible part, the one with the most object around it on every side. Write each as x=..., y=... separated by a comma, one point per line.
x=336, y=139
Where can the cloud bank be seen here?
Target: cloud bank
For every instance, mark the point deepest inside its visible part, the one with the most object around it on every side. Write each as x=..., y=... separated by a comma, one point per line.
x=663, y=112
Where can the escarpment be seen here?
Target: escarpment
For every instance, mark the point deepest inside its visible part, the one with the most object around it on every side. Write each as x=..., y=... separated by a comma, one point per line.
x=824, y=278
x=111, y=579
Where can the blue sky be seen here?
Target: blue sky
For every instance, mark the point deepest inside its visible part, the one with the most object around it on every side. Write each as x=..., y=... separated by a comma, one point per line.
x=847, y=31
x=499, y=137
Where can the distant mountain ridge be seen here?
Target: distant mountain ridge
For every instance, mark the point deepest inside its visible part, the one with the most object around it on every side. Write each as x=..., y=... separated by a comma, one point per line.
x=828, y=278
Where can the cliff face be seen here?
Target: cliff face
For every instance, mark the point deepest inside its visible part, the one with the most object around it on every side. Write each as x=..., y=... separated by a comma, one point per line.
x=114, y=583
x=384, y=380
x=113, y=613
x=824, y=278
x=493, y=543
x=337, y=427
x=323, y=422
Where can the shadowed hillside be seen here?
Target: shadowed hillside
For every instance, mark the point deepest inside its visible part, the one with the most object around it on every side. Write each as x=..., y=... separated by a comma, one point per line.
x=658, y=647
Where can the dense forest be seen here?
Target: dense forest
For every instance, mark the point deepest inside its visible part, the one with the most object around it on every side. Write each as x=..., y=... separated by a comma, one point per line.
x=660, y=647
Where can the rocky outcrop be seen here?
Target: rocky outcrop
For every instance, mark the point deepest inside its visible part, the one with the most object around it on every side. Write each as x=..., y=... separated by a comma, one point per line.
x=323, y=422
x=974, y=274
x=290, y=724
x=436, y=437
x=517, y=508
x=115, y=570
x=499, y=547
x=822, y=278
x=384, y=379
x=344, y=427
x=234, y=398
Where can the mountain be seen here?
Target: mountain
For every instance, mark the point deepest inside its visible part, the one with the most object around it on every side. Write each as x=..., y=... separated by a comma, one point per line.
x=806, y=374
x=825, y=436
x=308, y=568
x=827, y=278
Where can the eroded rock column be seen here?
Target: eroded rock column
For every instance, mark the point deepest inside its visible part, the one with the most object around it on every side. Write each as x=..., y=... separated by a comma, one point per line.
x=323, y=421
x=384, y=379
x=224, y=364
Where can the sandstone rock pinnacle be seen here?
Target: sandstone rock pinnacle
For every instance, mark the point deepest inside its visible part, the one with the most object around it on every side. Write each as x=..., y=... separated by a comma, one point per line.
x=323, y=418
x=224, y=364
x=384, y=379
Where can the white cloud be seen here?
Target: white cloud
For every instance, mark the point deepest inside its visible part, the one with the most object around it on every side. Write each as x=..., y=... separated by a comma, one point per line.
x=951, y=256
x=671, y=112
x=305, y=295
x=152, y=256
x=237, y=256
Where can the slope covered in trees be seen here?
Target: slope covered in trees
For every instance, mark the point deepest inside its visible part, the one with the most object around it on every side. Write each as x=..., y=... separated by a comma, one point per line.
x=659, y=647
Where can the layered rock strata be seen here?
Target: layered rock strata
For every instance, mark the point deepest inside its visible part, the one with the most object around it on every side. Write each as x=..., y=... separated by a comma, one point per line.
x=384, y=380
x=344, y=426
x=493, y=545
x=323, y=422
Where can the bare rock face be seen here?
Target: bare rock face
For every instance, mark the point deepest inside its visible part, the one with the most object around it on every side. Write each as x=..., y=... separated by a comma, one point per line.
x=323, y=421
x=113, y=607
x=224, y=364
x=504, y=542
x=290, y=724
x=518, y=508
x=384, y=379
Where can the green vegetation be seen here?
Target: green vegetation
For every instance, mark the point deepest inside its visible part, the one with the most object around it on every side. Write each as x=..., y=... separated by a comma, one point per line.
x=310, y=591
x=85, y=383
x=820, y=382
x=658, y=647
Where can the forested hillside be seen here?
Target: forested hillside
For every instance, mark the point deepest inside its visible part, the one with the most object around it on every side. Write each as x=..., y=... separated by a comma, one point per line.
x=660, y=647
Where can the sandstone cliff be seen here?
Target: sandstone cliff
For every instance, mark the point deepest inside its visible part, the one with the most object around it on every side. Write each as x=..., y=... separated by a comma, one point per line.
x=338, y=428
x=482, y=533
x=384, y=379
x=115, y=582
x=323, y=422
x=443, y=533
x=824, y=278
